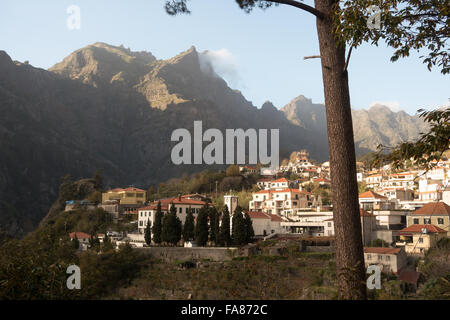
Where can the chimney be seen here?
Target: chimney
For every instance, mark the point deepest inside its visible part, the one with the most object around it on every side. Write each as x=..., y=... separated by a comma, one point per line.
x=179, y=197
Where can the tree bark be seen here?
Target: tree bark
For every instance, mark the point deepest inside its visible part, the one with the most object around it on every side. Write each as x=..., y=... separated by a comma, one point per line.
x=347, y=224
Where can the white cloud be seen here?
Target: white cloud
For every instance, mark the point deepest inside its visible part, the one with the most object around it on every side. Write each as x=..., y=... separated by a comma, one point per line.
x=393, y=105
x=223, y=63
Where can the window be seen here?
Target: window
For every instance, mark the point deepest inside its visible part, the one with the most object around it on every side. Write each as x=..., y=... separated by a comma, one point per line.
x=329, y=226
x=388, y=258
x=440, y=220
x=180, y=210
x=416, y=221
x=380, y=257
x=369, y=256
x=427, y=221
x=420, y=240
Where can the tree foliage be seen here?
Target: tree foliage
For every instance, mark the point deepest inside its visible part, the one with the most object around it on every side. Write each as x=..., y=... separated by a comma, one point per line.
x=148, y=233
x=421, y=25
x=157, y=227
x=189, y=226
x=201, y=228
x=171, y=227
x=239, y=228
x=224, y=234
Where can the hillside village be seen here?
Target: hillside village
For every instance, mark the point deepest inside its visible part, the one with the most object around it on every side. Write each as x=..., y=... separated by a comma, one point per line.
x=403, y=214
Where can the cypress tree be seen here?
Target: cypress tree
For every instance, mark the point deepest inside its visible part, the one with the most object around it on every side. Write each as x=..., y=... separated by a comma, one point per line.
x=212, y=222
x=76, y=242
x=157, y=227
x=171, y=227
x=224, y=234
x=201, y=228
x=107, y=245
x=216, y=227
x=148, y=233
x=239, y=232
x=188, y=229
x=250, y=233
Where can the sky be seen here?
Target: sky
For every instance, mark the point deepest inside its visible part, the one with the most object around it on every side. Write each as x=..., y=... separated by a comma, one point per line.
x=260, y=54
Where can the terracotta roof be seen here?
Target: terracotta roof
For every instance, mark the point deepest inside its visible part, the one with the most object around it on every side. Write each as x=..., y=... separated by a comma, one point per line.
x=381, y=250
x=417, y=228
x=283, y=190
x=176, y=200
x=402, y=174
x=274, y=217
x=371, y=194
x=433, y=208
x=280, y=180
x=80, y=235
x=258, y=215
x=154, y=206
x=263, y=215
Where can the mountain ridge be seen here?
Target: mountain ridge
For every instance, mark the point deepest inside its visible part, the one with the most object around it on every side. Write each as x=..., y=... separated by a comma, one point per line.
x=108, y=107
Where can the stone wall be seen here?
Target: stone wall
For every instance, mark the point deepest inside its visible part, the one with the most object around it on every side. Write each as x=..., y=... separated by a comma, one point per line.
x=195, y=253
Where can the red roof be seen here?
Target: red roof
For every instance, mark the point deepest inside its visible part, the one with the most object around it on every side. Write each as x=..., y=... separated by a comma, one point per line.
x=258, y=215
x=417, y=228
x=433, y=208
x=378, y=250
x=371, y=194
x=275, y=217
x=263, y=215
x=80, y=235
x=280, y=180
x=181, y=200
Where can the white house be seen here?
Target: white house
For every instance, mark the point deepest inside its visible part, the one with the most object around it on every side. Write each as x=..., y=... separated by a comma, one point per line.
x=265, y=224
x=181, y=204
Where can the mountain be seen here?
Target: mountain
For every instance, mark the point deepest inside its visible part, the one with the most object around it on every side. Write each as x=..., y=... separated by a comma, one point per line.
x=108, y=107
x=378, y=125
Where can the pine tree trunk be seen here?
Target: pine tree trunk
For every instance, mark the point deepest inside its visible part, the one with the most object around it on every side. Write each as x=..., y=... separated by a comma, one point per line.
x=347, y=223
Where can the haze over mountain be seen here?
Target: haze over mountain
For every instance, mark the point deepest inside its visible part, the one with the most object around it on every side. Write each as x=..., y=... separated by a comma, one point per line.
x=108, y=107
x=378, y=125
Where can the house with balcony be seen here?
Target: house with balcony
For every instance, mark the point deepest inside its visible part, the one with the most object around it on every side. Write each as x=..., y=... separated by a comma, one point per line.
x=265, y=224
x=417, y=239
x=286, y=201
x=432, y=213
x=127, y=196
x=147, y=214
x=391, y=260
x=430, y=190
x=370, y=200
